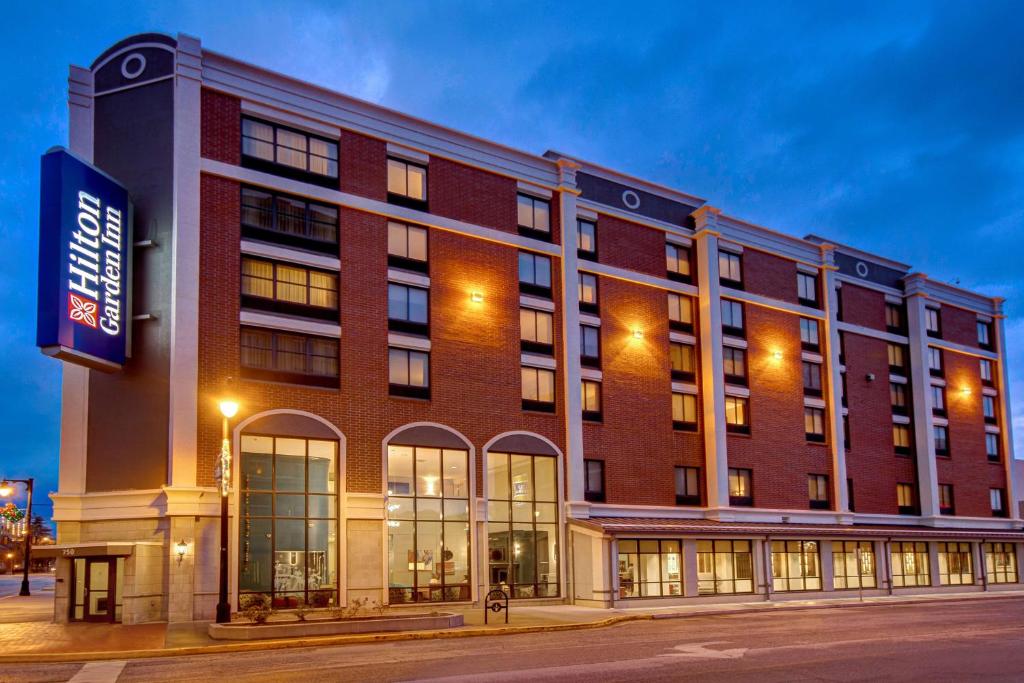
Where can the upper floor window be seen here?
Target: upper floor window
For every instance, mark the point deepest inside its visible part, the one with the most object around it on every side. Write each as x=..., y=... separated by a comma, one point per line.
x=677, y=262
x=809, y=340
x=985, y=370
x=984, y=335
x=817, y=491
x=408, y=373
x=997, y=499
x=407, y=247
x=734, y=363
x=938, y=400
x=687, y=486
x=590, y=345
x=807, y=289
x=588, y=292
x=680, y=312
x=988, y=409
x=286, y=356
x=741, y=489
x=894, y=321
x=730, y=270
x=932, y=322
x=288, y=220
x=276, y=148
x=812, y=378
x=586, y=239
x=590, y=400
x=538, y=386
x=992, y=446
x=534, y=274
x=901, y=438
x=897, y=358
x=534, y=216
x=408, y=308
x=287, y=288
x=906, y=499
x=814, y=424
x=593, y=489
x=898, y=398
x=407, y=183
x=946, y=506
x=684, y=412
x=941, y=436
x=684, y=364
x=737, y=414
x=732, y=318
x=935, y=361
x=536, y=333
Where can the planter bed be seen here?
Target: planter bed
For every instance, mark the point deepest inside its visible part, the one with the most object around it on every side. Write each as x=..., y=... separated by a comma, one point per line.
x=326, y=626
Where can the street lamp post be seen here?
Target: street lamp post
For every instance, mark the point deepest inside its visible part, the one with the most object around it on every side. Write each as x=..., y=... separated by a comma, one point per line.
x=5, y=490
x=228, y=409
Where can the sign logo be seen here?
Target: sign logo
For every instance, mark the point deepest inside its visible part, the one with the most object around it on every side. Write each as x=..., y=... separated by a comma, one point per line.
x=82, y=310
x=85, y=222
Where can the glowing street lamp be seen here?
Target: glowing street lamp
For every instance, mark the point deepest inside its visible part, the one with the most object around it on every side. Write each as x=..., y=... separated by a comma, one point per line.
x=6, y=489
x=228, y=409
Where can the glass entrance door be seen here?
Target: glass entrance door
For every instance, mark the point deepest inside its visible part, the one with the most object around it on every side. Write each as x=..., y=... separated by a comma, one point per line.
x=99, y=603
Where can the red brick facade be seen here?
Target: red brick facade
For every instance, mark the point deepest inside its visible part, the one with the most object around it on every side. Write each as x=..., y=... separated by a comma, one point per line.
x=629, y=245
x=862, y=306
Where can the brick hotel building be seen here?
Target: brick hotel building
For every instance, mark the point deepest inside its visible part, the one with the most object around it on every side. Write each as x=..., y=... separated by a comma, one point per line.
x=461, y=366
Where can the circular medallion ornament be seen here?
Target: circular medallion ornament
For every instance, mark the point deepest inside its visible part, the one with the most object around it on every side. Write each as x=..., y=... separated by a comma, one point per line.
x=861, y=268
x=133, y=66
x=631, y=199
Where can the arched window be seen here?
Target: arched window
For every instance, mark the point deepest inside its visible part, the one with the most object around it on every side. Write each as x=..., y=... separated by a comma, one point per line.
x=428, y=517
x=288, y=523
x=522, y=518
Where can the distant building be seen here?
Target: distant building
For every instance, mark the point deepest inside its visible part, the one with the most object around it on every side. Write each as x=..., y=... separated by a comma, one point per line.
x=461, y=366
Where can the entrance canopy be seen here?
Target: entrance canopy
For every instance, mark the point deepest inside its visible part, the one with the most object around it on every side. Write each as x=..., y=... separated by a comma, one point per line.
x=96, y=549
x=618, y=526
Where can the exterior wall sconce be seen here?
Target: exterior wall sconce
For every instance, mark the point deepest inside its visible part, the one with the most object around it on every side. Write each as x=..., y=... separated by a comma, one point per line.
x=181, y=547
x=638, y=334
x=777, y=355
x=477, y=297
x=965, y=391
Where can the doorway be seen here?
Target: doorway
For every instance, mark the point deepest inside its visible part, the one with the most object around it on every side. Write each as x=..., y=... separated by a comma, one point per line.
x=96, y=583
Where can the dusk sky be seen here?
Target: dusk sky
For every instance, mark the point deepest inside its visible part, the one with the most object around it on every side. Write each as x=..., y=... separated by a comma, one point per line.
x=897, y=128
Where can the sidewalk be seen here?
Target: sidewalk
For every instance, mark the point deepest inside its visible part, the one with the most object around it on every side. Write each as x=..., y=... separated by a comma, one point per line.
x=33, y=638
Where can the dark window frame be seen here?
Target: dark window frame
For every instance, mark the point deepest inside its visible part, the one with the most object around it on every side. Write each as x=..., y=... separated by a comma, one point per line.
x=528, y=230
x=810, y=303
x=588, y=254
x=585, y=359
x=272, y=374
x=407, y=262
x=404, y=324
x=275, y=305
x=675, y=275
x=409, y=390
x=531, y=288
x=284, y=170
x=742, y=501
x=590, y=495
x=593, y=415
x=818, y=503
x=688, y=498
x=278, y=236
x=726, y=281
x=405, y=200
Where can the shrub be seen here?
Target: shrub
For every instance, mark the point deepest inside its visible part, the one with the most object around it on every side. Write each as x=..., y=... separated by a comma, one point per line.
x=256, y=607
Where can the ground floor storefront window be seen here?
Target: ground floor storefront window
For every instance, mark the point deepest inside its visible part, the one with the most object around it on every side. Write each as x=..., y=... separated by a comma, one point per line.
x=522, y=524
x=1000, y=562
x=724, y=567
x=853, y=564
x=796, y=566
x=650, y=568
x=428, y=525
x=288, y=535
x=956, y=564
x=910, y=564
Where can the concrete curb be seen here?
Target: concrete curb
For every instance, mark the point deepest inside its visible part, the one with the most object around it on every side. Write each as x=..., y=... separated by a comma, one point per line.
x=323, y=641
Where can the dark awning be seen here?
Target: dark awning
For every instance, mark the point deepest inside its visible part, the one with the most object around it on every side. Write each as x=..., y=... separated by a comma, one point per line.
x=95, y=549
x=618, y=526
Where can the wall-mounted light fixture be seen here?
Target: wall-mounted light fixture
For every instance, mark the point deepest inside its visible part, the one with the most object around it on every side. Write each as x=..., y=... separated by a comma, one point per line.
x=476, y=297
x=181, y=547
x=965, y=391
x=638, y=333
x=777, y=355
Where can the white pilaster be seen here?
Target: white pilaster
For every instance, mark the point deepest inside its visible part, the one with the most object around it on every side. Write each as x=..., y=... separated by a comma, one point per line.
x=184, y=369
x=1002, y=381
x=834, y=380
x=74, y=403
x=920, y=380
x=567, y=193
x=712, y=388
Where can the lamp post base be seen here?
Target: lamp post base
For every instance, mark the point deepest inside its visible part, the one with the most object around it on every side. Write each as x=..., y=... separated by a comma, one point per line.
x=24, y=588
x=223, y=613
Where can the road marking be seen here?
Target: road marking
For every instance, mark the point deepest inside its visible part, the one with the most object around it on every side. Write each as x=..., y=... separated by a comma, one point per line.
x=701, y=651
x=99, y=672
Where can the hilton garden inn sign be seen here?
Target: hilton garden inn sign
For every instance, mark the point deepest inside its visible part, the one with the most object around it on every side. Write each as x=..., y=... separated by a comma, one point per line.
x=85, y=221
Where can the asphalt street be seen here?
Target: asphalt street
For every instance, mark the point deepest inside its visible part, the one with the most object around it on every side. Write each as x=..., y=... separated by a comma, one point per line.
x=958, y=641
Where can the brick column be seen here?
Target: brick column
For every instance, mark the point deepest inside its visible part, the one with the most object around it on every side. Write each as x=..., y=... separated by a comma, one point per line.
x=920, y=380
x=712, y=386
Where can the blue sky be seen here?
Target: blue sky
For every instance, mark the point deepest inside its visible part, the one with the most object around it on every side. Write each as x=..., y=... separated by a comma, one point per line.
x=894, y=127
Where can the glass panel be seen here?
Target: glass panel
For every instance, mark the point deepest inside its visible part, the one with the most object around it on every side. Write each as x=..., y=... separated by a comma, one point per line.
x=99, y=587
x=522, y=477
x=397, y=182
x=290, y=472
x=456, y=510
x=289, y=555
x=254, y=555
x=256, y=470
x=428, y=509
x=417, y=182
x=546, y=480
x=497, y=476
x=428, y=472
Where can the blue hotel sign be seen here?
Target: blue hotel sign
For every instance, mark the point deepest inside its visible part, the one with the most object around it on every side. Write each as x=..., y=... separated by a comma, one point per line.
x=85, y=222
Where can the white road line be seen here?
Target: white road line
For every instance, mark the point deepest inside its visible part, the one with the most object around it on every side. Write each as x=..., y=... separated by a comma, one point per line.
x=99, y=672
